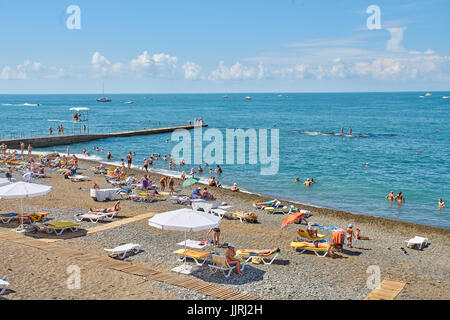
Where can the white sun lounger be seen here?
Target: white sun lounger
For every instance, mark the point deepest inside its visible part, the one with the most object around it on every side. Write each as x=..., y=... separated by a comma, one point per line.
x=79, y=178
x=121, y=251
x=417, y=241
x=94, y=217
x=58, y=226
x=7, y=217
x=4, y=285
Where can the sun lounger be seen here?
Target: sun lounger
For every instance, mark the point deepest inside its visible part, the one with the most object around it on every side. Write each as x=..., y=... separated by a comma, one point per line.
x=107, y=215
x=244, y=218
x=285, y=209
x=193, y=244
x=122, y=251
x=302, y=235
x=58, y=226
x=3, y=285
x=270, y=257
x=221, y=264
x=7, y=217
x=320, y=251
x=79, y=178
x=219, y=212
x=420, y=242
x=183, y=200
x=94, y=217
x=198, y=256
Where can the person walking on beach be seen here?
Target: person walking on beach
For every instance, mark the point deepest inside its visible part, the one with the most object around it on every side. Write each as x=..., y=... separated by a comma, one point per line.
x=62, y=130
x=68, y=151
x=84, y=129
x=8, y=174
x=390, y=196
x=30, y=149
x=50, y=131
x=162, y=183
x=441, y=204
x=171, y=184
x=145, y=166
x=349, y=235
x=22, y=147
x=216, y=236
x=129, y=159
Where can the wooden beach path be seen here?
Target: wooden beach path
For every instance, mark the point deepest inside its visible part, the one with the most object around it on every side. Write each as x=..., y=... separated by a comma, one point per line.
x=200, y=286
x=388, y=290
x=56, y=140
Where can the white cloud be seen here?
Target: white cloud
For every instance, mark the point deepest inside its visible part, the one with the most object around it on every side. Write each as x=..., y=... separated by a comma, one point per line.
x=30, y=69
x=235, y=72
x=191, y=70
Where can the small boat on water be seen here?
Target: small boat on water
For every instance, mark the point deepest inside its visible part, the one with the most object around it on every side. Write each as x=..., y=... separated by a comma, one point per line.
x=445, y=97
x=225, y=97
x=104, y=99
x=428, y=94
x=248, y=98
x=129, y=102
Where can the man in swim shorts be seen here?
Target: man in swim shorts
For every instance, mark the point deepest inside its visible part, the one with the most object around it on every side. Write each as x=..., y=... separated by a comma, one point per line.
x=111, y=209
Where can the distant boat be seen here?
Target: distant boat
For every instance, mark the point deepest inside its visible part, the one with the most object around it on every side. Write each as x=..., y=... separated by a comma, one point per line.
x=445, y=97
x=427, y=94
x=280, y=95
x=225, y=97
x=422, y=97
x=104, y=99
x=248, y=98
x=129, y=102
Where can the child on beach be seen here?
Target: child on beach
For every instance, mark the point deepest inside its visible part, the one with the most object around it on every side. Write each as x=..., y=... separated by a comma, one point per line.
x=349, y=235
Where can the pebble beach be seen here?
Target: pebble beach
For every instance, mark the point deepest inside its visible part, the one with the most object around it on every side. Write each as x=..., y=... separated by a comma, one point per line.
x=291, y=276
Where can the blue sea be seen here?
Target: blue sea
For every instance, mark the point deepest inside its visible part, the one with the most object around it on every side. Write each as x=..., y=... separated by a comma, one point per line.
x=404, y=137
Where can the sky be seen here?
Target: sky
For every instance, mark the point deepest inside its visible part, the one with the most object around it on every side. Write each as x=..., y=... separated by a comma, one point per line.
x=187, y=46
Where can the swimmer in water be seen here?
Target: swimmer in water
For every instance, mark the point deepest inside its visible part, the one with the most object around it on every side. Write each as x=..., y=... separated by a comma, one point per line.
x=441, y=204
x=367, y=164
x=297, y=179
x=390, y=196
x=399, y=197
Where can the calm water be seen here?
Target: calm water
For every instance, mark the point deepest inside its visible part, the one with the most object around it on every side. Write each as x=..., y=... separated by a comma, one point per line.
x=388, y=131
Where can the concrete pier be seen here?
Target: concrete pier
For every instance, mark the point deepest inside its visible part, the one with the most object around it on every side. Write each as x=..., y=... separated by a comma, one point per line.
x=48, y=141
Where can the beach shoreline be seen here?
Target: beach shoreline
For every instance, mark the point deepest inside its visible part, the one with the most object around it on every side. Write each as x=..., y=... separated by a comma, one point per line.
x=256, y=197
x=292, y=276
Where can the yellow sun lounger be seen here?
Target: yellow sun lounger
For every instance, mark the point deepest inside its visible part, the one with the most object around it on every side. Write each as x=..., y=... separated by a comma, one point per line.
x=59, y=226
x=245, y=216
x=271, y=257
x=308, y=246
x=198, y=256
x=221, y=264
x=305, y=235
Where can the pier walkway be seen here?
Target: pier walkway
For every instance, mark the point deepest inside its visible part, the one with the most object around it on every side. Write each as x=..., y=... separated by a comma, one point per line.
x=56, y=140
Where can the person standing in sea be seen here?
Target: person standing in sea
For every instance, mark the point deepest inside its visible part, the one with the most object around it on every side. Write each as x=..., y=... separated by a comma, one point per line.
x=129, y=160
x=50, y=131
x=30, y=149
x=145, y=166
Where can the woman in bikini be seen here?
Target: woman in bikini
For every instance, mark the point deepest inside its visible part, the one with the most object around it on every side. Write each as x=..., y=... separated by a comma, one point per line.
x=400, y=198
x=111, y=209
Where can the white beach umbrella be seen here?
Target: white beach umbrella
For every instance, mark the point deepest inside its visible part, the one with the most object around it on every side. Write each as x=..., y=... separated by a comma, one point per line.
x=184, y=220
x=21, y=190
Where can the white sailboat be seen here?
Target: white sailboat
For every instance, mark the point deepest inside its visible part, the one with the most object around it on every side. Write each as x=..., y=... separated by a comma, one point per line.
x=103, y=98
